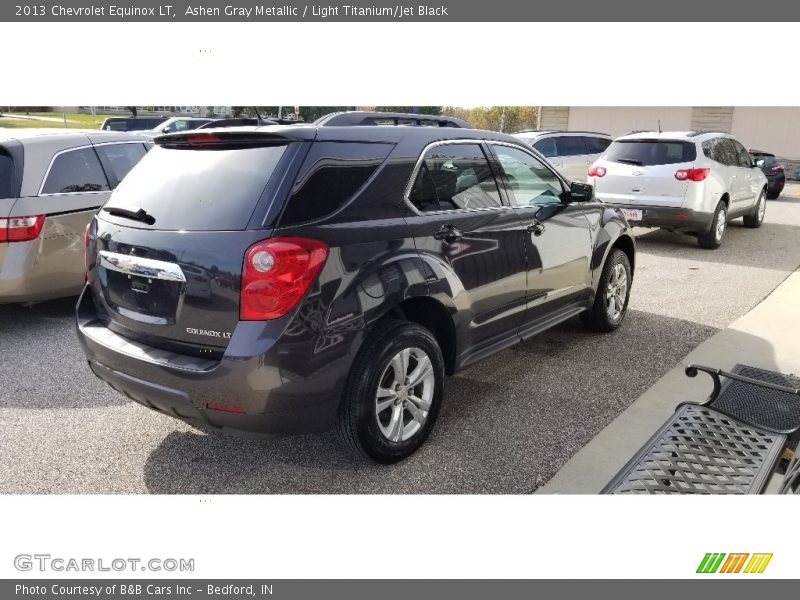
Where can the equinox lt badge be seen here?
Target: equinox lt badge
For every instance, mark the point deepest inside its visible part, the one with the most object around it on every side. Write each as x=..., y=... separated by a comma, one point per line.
x=225, y=335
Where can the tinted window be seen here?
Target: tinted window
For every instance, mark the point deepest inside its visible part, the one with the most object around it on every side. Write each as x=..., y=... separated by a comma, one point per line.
x=571, y=145
x=596, y=145
x=198, y=190
x=76, y=171
x=547, y=147
x=332, y=173
x=452, y=177
x=742, y=156
x=6, y=175
x=650, y=152
x=121, y=158
x=530, y=181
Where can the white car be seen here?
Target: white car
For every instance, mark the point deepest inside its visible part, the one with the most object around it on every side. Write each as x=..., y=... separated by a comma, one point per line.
x=693, y=182
x=570, y=152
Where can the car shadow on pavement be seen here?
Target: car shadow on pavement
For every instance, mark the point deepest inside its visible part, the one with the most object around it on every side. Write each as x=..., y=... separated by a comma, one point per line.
x=771, y=246
x=507, y=425
x=47, y=357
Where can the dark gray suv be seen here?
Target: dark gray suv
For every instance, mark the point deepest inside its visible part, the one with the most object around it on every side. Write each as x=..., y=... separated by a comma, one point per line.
x=279, y=280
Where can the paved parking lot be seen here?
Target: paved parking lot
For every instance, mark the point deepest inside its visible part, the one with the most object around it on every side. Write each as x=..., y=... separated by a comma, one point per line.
x=509, y=423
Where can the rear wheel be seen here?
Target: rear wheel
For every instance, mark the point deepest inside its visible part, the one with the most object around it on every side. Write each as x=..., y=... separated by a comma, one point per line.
x=613, y=292
x=394, y=392
x=712, y=238
x=756, y=218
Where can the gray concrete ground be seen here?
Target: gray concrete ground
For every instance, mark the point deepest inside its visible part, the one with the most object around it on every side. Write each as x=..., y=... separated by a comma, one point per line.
x=509, y=423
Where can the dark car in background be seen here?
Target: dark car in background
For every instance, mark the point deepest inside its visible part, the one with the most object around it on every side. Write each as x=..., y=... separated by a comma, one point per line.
x=131, y=123
x=287, y=279
x=773, y=169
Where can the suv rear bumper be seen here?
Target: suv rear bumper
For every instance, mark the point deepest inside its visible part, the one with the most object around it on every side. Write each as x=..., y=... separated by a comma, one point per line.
x=280, y=390
x=681, y=219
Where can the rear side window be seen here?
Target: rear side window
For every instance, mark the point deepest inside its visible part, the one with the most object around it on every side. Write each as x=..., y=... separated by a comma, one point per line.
x=454, y=177
x=571, y=145
x=6, y=175
x=721, y=150
x=120, y=158
x=75, y=171
x=547, y=147
x=651, y=152
x=198, y=190
x=331, y=175
x=596, y=145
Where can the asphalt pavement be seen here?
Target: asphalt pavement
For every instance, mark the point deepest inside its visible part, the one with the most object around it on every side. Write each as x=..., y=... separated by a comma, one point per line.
x=509, y=423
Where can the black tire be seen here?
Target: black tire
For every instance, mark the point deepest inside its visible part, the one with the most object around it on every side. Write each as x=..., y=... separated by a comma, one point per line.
x=598, y=318
x=710, y=240
x=756, y=218
x=358, y=423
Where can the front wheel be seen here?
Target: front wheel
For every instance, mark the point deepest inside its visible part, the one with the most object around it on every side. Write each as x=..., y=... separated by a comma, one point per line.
x=394, y=392
x=756, y=218
x=613, y=293
x=712, y=238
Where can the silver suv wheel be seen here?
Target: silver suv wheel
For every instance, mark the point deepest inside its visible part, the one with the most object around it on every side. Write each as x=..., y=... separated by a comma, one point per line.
x=719, y=225
x=404, y=396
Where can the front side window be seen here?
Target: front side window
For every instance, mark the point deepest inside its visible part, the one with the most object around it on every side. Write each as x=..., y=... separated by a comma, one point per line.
x=76, y=171
x=547, y=147
x=121, y=158
x=531, y=183
x=742, y=155
x=454, y=177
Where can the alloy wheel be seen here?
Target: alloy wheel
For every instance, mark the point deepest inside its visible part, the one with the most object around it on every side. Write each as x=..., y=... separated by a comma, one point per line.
x=404, y=395
x=616, y=292
x=719, y=226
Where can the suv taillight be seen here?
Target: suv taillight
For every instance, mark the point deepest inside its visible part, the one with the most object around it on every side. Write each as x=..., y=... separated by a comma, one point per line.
x=777, y=168
x=21, y=229
x=691, y=174
x=597, y=171
x=276, y=275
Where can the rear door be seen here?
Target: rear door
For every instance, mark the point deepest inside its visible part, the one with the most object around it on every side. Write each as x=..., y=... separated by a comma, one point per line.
x=168, y=248
x=574, y=156
x=557, y=240
x=642, y=172
x=461, y=219
x=749, y=178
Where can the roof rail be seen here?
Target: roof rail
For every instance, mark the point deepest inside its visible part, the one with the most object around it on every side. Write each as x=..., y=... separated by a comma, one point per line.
x=705, y=131
x=357, y=117
x=560, y=131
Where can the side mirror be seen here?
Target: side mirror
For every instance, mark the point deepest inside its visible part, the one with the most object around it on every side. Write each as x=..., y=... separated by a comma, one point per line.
x=759, y=163
x=580, y=192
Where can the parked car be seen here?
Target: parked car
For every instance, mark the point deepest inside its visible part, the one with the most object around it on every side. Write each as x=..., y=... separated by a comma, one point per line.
x=349, y=268
x=571, y=152
x=51, y=183
x=131, y=123
x=773, y=170
x=175, y=124
x=694, y=182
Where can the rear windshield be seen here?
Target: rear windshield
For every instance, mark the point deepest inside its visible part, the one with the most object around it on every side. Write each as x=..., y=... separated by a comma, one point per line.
x=6, y=175
x=197, y=190
x=650, y=152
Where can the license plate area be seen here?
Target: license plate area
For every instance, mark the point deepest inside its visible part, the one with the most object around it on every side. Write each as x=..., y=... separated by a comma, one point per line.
x=633, y=214
x=142, y=298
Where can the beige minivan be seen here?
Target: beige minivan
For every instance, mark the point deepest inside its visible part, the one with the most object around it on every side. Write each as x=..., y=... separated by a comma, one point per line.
x=52, y=181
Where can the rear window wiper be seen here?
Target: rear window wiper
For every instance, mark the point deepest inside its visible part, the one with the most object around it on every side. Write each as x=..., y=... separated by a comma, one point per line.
x=136, y=215
x=630, y=161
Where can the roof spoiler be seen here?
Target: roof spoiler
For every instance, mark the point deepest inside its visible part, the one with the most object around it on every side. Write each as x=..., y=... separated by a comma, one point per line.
x=212, y=139
x=359, y=118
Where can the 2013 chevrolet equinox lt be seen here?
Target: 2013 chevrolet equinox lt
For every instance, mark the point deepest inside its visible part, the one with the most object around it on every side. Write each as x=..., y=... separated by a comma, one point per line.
x=279, y=280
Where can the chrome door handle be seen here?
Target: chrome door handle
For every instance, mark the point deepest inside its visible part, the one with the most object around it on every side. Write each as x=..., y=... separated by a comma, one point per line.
x=448, y=233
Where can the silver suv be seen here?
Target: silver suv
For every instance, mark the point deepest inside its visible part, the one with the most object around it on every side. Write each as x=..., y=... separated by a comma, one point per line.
x=693, y=182
x=571, y=152
x=52, y=181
